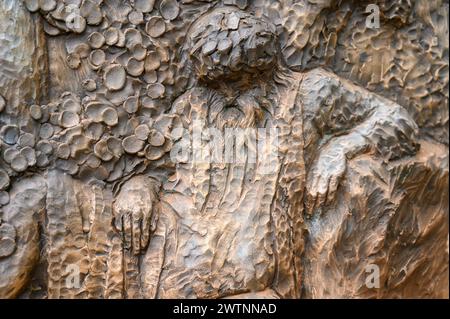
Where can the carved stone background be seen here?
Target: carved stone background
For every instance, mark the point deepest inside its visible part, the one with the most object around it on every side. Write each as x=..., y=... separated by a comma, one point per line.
x=91, y=95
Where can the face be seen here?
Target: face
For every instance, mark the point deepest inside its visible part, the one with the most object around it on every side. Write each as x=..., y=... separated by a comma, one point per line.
x=232, y=54
x=231, y=45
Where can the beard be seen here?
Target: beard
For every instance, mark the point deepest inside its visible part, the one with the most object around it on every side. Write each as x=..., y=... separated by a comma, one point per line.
x=245, y=112
x=221, y=125
x=224, y=140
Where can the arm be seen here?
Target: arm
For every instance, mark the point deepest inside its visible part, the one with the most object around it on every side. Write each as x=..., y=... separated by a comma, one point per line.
x=342, y=121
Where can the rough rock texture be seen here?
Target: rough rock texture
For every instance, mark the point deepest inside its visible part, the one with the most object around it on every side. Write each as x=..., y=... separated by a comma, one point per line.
x=223, y=149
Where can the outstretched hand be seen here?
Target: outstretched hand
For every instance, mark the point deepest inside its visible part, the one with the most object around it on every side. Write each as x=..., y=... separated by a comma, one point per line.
x=324, y=177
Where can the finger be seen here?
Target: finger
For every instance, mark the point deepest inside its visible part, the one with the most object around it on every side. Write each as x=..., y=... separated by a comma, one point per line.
x=117, y=219
x=320, y=199
x=118, y=224
x=332, y=188
x=145, y=235
x=321, y=189
x=85, y=217
x=155, y=217
x=308, y=201
x=311, y=197
x=136, y=224
x=127, y=230
x=316, y=182
x=311, y=201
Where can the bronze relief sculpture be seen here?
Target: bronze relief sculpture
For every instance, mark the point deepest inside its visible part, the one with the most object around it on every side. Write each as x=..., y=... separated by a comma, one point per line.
x=223, y=149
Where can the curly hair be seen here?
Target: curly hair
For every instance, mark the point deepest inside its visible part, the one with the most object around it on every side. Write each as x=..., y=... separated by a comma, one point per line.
x=227, y=42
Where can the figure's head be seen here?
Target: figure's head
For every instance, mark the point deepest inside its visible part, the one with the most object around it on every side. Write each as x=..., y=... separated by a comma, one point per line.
x=228, y=43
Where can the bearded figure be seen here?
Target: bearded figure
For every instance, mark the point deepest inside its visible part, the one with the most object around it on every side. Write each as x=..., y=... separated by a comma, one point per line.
x=262, y=175
x=236, y=225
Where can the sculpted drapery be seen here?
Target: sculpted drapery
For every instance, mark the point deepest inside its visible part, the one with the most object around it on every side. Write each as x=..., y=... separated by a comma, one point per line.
x=212, y=149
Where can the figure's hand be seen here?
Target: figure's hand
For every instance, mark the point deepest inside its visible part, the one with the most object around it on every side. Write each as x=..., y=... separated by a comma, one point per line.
x=324, y=177
x=135, y=212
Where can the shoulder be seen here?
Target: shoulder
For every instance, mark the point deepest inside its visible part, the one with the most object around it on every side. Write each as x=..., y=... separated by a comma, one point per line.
x=313, y=86
x=318, y=79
